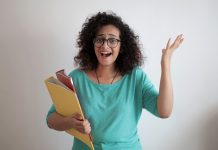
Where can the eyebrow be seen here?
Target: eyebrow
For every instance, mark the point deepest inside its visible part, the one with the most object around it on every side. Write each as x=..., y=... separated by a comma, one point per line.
x=108, y=34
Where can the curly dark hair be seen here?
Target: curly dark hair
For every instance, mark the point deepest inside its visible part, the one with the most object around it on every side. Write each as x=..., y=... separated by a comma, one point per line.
x=130, y=55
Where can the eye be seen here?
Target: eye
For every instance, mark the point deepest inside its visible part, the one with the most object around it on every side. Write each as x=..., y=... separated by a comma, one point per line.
x=99, y=40
x=112, y=40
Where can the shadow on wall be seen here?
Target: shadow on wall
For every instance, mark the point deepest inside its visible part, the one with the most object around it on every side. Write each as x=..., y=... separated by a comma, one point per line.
x=211, y=130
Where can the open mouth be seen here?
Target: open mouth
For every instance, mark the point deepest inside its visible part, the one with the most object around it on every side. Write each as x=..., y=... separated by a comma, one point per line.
x=106, y=54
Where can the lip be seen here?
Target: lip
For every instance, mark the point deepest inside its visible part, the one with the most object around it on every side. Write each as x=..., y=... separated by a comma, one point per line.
x=105, y=54
x=105, y=51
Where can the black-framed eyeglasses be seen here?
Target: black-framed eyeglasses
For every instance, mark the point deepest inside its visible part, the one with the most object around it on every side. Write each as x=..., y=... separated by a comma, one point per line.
x=111, y=42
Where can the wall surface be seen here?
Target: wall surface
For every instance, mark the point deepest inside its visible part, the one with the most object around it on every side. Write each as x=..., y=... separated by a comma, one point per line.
x=38, y=37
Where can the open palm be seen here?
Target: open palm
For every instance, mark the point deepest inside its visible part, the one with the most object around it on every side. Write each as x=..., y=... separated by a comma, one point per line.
x=171, y=47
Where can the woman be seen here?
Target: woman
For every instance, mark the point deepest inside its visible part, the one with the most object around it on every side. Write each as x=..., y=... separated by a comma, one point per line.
x=111, y=87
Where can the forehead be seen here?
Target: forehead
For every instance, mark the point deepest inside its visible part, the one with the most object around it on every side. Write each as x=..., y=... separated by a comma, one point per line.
x=108, y=30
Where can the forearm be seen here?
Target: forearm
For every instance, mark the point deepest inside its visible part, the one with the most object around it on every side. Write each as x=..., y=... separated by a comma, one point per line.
x=58, y=122
x=165, y=99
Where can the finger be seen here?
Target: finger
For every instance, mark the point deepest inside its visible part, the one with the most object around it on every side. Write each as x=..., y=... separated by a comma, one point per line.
x=78, y=116
x=78, y=123
x=87, y=126
x=80, y=130
x=88, y=131
x=177, y=42
x=86, y=122
x=179, y=38
x=85, y=130
x=168, y=43
x=82, y=124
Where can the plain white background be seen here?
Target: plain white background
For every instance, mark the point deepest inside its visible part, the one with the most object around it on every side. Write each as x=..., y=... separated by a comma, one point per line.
x=38, y=37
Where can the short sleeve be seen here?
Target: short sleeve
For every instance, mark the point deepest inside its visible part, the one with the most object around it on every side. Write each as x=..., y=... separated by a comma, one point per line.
x=149, y=95
x=51, y=110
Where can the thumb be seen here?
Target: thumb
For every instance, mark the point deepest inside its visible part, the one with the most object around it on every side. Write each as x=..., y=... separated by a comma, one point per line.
x=78, y=116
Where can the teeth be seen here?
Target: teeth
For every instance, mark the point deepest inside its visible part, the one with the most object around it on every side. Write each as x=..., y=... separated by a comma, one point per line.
x=105, y=53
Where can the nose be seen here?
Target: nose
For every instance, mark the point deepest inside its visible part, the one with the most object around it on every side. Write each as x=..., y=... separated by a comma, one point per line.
x=105, y=45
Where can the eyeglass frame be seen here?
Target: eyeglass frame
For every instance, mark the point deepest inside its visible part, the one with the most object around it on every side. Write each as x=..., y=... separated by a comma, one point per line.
x=104, y=39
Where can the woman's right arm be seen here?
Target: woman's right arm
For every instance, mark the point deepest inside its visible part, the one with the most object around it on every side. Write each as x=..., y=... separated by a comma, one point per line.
x=60, y=123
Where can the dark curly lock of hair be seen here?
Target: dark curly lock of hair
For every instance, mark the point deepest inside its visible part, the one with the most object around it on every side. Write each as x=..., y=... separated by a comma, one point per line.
x=130, y=55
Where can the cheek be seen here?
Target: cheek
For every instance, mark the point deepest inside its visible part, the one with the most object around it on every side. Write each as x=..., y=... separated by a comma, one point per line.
x=96, y=50
x=117, y=51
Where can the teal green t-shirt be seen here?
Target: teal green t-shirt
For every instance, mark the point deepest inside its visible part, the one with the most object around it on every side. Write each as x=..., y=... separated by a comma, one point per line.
x=113, y=110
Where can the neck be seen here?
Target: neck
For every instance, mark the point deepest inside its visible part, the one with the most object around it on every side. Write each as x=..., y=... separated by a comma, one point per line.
x=106, y=71
x=105, y=75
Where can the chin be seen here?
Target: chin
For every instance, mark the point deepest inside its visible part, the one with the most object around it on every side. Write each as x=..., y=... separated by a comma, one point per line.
x=106, y=64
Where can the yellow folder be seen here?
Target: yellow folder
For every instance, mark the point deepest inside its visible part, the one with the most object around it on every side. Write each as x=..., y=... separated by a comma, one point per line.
x=67, y=104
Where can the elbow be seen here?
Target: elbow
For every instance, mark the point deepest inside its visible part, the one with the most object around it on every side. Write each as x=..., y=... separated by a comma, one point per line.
x=49, y=123
x=54, y=126
x=164, y=114
x=57, y=122
x=164, y=108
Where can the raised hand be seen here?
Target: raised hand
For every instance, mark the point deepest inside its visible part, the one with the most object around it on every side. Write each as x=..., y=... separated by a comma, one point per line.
x=170, y=48
x=165, y=98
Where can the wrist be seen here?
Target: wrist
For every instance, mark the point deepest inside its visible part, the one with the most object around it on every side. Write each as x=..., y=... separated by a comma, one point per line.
x=68, y=122
x=165, y=62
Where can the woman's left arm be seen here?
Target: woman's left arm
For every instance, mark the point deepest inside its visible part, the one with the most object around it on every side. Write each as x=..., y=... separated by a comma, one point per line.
x=165, y=98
